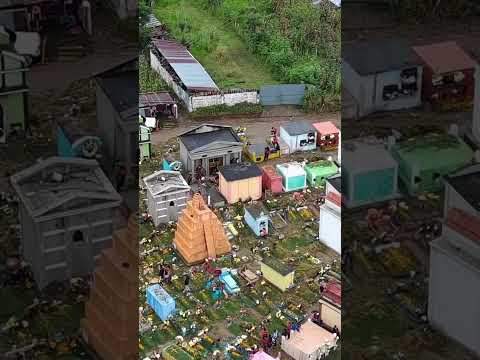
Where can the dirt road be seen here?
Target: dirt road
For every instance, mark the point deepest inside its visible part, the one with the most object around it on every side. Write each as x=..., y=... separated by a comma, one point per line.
x=257, y=127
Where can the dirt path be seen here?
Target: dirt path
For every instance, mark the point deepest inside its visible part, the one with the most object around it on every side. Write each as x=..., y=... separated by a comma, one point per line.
x=257, y=127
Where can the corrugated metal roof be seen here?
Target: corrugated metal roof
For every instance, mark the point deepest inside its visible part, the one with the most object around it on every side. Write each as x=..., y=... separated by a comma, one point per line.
x=155, y=98
x=445, y=57
x=189, y=70
x=152, y=22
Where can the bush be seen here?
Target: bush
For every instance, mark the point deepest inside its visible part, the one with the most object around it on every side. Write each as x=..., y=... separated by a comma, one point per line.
x=149, y=80
x=221, y=110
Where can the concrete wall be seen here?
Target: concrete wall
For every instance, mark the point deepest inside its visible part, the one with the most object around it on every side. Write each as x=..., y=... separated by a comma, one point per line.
x=454, y=295
x=361, y=89
x=53, y=254
x=330, y=314
x=182, y=94
x=254, y=224
x=160, y=209
x=280, y=281
x=195, y=102
x=330, y=228
x=199, y=101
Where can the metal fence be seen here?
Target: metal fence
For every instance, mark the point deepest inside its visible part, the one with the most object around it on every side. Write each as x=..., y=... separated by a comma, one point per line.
x=282, y=94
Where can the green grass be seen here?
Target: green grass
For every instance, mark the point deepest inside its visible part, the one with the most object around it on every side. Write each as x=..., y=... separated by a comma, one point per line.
x=149, y=79
x=223, y=53
x=221, y=110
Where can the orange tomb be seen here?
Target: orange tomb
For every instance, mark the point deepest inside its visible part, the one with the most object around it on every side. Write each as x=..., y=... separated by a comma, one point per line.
x=110, y=325
x=200, y=235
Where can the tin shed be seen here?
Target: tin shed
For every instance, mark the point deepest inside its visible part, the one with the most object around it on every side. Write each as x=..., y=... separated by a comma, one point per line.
x=318, y=171
x=257, y=218
x=277, y=273
x=369, y=172
x=423, y=161
x=67, y=210
x=449, y=73
x=299, y=136
x=271, y=180
x=293, y=176
x=240, y=182
x=382, y=75
x=327, y=135
x=167, y=195
x=160, y=301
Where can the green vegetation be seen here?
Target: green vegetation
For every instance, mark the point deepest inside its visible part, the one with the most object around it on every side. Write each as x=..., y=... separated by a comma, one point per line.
x=221, y=110
x=247, y=44
x=149, y=80
x=299, y=42
x=215, y=44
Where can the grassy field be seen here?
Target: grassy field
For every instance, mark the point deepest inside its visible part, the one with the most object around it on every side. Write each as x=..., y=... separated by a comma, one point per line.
x=215, y=45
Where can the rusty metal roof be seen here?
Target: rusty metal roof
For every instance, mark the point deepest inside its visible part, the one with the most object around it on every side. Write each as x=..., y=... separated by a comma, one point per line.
x=155, y=98
x=189, y=70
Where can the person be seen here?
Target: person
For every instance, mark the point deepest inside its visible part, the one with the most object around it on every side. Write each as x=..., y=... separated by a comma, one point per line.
x=186, y=282
x=267, y=153
x=161, y=271
x=167, y=277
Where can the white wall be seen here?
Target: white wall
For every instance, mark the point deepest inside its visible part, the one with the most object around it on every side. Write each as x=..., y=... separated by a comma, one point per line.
x=367, y=91
x=330, y=228
x=195, y=102
x=454, y=296
x=362, y=89
x=182, y=94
